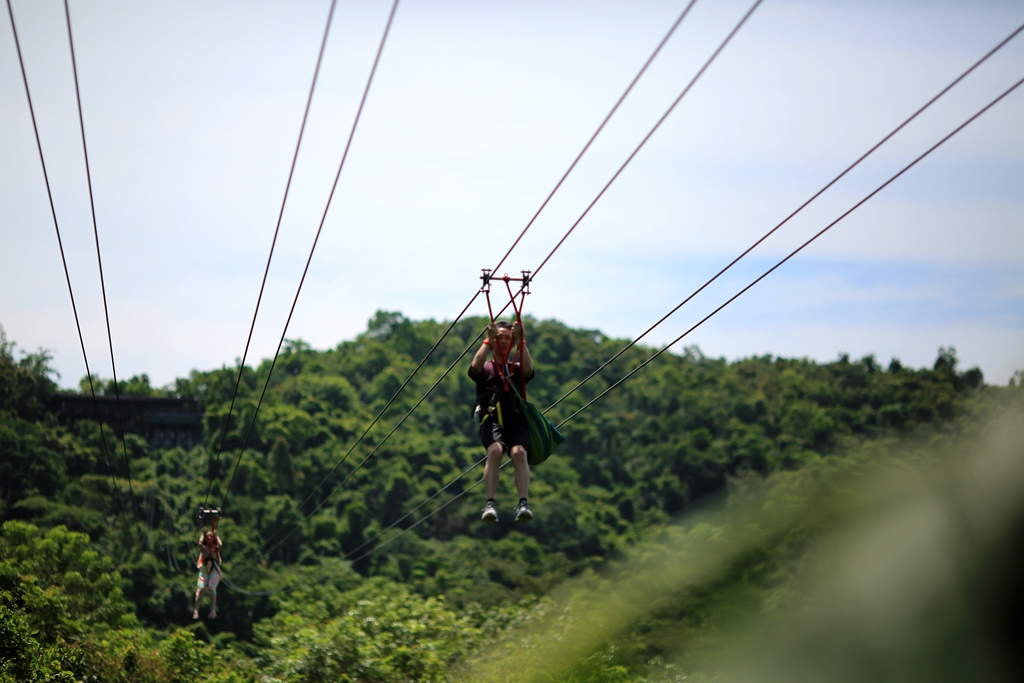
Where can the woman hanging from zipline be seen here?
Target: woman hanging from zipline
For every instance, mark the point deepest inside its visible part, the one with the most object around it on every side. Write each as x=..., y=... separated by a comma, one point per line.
x=500, y=389
x=208, y=564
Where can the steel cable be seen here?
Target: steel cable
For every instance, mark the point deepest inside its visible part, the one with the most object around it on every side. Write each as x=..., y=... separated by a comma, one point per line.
x=445, y=487
x=710, y=315
x=375, y=448
x=798, y=249
x=617, y=173
x=621, y=168
x=418, y=507
x=734, y=261
x=800, y=208
x=657, y=125
x=99, y=262
x=324, y=575
x=305, y=271
x=172, y=558
x=63, y=259
x=273, y=243
x=558, y=185
x=529, y=224
x=593, y=137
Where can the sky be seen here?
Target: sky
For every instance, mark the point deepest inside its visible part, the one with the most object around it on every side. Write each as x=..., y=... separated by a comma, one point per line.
x=192, y=111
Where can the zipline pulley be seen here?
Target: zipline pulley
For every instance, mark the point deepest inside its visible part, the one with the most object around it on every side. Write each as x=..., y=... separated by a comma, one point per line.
x=488, y=275
x=524, y=289
x=209, y=516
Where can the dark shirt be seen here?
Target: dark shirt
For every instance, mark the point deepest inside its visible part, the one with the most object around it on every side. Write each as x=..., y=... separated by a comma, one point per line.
x=490, y=388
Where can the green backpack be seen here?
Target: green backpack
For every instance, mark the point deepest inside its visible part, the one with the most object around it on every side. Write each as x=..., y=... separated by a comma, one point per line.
x=544, y=436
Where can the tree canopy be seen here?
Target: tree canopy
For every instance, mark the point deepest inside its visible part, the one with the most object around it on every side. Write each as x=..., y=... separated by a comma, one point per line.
x=341, y=572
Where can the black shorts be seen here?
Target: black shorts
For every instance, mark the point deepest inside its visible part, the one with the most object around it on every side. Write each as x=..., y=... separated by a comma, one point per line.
x=507, y=427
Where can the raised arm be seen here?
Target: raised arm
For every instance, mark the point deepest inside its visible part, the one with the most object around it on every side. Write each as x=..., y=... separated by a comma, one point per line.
x=527, y=363
x=480, y=357
x=527, y=360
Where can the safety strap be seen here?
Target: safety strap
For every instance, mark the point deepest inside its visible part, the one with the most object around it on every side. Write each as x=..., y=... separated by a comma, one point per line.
x=213, y=514
x=522, y=334
x=212, y=552
x=517, y=355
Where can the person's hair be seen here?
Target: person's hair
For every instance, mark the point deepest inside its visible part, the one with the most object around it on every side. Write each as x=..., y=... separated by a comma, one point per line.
x=504, y=324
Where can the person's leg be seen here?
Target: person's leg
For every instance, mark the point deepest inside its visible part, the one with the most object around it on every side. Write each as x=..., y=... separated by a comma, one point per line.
x=211, y=585
x=200, y=587
x=522, y=467
x=494, y=453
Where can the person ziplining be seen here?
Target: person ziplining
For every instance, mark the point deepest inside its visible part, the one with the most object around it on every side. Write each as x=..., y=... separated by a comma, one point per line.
x=209, y=563
x=507, y=422
x=503, y=427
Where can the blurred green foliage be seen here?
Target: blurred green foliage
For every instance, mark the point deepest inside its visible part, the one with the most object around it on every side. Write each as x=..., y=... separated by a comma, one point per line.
x=896, y=562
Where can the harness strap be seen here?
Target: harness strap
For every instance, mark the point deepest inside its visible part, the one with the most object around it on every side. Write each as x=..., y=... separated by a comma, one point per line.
x=210, y=551
x=522, y=333
x=518, y=354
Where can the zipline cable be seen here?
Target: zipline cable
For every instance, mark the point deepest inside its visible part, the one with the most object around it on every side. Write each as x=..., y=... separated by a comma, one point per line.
x=325, y=575
x=67, y=275
x=227, y=582
x=798, y=249
x=800, y=208
x=290, y=587
x=283, y=589
x=734, y=261
x=593, y=137
x=657, y=125
x=405, y=417
x=419, y=521
x=415, y=509
x=273, y=243
x=714, y=312
x=316, y=239
x=515, y=243
x=168, y=521
x=99, y=262
x=366, y=431
x=558, y=185
x=172, y=558
x=621, y=168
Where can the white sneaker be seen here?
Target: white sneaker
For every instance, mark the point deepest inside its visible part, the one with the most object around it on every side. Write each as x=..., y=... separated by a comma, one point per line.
x=490, y=515
x=523, y=513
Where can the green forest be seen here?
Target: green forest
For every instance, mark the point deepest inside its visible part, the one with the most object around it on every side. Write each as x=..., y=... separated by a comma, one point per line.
x=707, y=519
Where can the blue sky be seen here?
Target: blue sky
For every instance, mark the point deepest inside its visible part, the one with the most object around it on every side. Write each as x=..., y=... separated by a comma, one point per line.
x=192, y=111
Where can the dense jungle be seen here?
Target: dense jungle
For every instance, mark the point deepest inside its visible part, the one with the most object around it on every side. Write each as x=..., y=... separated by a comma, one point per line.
x=697, y=503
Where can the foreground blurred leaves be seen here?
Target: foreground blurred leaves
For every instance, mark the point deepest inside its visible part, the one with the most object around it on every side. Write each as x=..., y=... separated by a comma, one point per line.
x=884, y=565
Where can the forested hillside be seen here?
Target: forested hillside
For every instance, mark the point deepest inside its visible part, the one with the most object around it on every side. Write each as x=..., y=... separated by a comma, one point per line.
x=96, y=569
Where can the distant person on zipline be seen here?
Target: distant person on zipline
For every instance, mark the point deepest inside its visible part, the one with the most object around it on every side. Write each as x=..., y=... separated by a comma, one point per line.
x=503, y=427
x=208, y=565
